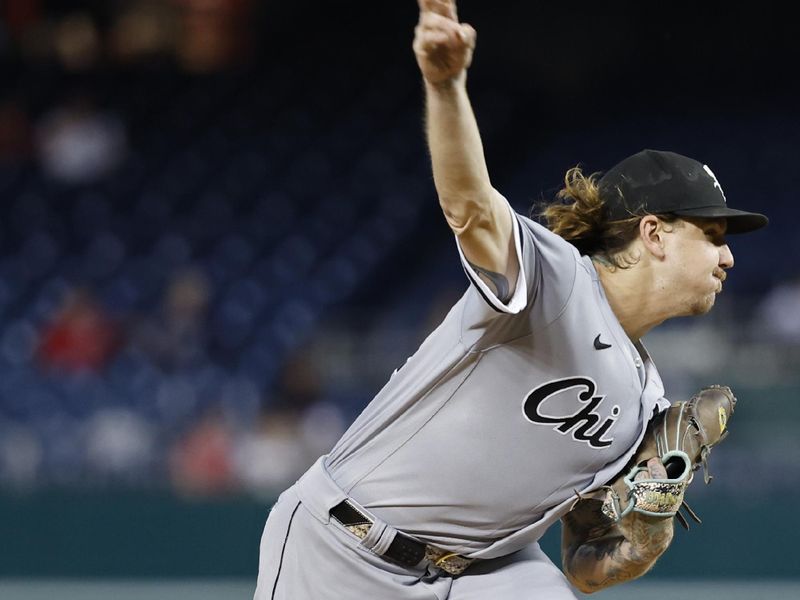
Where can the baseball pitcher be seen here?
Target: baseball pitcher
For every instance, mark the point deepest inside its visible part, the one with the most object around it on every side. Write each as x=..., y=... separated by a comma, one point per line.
x=534, y=401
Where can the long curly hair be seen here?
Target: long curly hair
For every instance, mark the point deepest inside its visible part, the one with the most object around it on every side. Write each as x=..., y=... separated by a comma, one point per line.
x=580, y=216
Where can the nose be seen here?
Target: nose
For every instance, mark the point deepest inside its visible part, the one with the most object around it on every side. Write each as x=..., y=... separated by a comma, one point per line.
x=725, y=257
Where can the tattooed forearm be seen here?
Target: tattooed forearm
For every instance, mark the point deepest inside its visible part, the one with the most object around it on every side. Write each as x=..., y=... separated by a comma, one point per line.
x=605, y=562
x=597, y=556
x=499, y=283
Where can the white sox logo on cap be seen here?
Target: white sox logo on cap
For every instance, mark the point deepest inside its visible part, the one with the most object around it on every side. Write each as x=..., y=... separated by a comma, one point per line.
x=708, y=170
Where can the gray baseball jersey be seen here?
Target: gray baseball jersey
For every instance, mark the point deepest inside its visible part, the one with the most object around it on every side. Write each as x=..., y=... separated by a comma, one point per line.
x=507, y=410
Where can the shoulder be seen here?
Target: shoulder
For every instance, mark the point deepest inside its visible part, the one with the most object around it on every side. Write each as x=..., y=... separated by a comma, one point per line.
x=545, y=239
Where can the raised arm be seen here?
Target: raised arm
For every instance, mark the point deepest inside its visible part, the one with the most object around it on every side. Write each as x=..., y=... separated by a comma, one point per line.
x=596, y=555
x=475, y=211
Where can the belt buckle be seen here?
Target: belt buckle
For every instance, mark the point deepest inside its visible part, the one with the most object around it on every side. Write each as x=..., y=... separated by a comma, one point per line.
x=452, y=563
x=356, y=522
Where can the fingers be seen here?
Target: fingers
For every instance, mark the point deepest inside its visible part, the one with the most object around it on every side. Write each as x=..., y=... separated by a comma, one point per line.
x=445, y=8
x=435, y=31
x=431, y=21
x=431, y=41
x=468, y=34
x=443, y=46
x=655, y=470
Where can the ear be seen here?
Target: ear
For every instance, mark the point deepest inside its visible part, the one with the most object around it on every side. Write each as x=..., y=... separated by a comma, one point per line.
x=651, y=232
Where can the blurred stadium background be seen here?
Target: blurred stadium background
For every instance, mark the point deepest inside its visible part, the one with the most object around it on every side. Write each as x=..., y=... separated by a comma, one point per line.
x=219, y=236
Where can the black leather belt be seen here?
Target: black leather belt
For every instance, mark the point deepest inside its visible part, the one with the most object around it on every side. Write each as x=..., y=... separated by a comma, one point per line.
x=403, y=550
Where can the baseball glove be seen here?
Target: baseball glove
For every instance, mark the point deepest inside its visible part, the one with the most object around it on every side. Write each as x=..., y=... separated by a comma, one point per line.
x=682, y=436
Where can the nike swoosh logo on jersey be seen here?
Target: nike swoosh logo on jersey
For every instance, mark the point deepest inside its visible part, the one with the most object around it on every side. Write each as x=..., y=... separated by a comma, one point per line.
x=598, y=345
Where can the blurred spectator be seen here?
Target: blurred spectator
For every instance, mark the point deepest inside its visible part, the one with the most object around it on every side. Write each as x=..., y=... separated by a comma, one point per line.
x=77, y=42
x=293, y=430
x=215, y=33
x=299, y=385
x=23, y=23
x=321, y=426
x=202, y=461
x=16, y=133
x=203, y=35
x=778, y=315
x=18, y=15
x=273, y=454
x=144, y=30
x=119, y=444
x=176, y=337
x=78, y=144
x=81, y=336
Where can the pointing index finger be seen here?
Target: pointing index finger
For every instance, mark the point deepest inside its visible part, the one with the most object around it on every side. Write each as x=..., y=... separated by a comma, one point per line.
x=446, y=8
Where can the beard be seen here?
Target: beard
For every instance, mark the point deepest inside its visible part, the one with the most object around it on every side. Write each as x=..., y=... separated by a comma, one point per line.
x=702, y=306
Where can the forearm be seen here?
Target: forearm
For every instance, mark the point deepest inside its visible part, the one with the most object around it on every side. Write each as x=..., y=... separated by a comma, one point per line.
x=476, y=213
x=597, y=554
x=459, y=168
x=601, y=563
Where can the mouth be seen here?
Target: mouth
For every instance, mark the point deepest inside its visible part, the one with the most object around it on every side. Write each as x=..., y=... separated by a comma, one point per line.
x=721, y=276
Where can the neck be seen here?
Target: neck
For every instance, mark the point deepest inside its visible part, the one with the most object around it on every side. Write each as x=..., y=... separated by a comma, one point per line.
x=635, y=296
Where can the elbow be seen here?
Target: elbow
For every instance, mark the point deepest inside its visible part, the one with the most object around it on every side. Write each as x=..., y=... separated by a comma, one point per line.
x=585, y=586
x=467, y=212
x=589, y=576
x=575, y=577
x=581, y=584
x=589, y=590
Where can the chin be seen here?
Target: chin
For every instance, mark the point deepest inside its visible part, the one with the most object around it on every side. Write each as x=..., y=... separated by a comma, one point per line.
x=703, y=306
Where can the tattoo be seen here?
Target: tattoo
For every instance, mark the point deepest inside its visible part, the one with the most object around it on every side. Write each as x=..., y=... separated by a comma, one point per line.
x=631, y=558
x=499, y=282
x=605, y=547
x=587, y=516
x=584, y=523
x=603, y=260
x=599, y=553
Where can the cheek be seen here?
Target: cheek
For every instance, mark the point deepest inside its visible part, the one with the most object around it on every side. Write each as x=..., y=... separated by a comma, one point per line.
x=697, y=264
x=712, y=258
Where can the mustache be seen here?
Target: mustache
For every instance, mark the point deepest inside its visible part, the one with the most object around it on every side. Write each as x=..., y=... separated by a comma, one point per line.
x=720, y=274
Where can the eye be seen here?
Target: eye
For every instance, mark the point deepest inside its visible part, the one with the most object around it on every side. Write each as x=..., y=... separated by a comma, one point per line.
x=715, y=235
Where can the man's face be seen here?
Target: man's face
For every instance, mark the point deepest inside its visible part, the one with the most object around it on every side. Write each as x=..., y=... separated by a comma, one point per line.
x=698, y=257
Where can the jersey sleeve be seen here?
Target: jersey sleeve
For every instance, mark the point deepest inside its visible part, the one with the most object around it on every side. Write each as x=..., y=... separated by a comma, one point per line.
x=519, y=298
x=546, y=275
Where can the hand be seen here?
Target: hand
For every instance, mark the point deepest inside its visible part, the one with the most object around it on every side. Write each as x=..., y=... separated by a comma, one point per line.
x=443, y=45
x=648, y=536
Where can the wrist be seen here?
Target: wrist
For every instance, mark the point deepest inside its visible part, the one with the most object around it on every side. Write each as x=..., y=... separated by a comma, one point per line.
x=446, y=86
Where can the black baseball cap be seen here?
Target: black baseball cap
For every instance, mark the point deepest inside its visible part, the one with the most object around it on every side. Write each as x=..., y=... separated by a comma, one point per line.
x=659, y=182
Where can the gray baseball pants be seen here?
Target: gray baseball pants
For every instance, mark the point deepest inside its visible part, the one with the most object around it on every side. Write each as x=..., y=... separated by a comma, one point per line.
x=306, y=555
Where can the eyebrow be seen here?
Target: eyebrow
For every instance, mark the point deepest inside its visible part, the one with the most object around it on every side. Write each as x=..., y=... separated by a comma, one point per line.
x=720, y=225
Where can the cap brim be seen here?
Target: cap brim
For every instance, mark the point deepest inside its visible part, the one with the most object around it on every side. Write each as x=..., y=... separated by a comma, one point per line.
x=739, y=221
